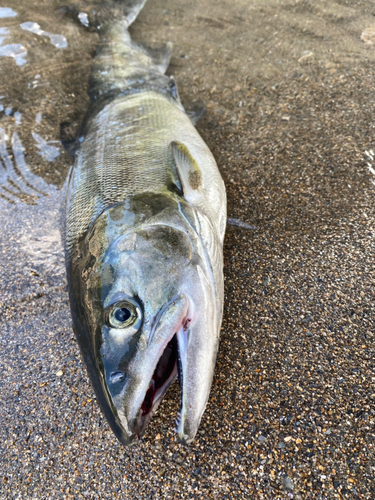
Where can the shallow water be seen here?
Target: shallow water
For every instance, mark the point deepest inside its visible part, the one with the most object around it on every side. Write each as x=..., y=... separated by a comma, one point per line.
x=288, y=87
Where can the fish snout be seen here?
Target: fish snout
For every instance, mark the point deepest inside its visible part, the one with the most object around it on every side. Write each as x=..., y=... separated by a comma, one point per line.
x=137, y=389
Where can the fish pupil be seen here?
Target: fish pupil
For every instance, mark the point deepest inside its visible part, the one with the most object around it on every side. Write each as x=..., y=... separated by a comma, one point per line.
x=122, y=314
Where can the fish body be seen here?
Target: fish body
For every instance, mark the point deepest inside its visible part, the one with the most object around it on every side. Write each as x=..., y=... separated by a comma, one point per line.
x=145, y=222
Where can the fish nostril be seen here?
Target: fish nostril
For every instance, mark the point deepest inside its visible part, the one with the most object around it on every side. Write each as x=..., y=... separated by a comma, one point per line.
x=117, y=377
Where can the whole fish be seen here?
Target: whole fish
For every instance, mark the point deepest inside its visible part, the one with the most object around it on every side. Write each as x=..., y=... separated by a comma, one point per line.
x=145, y=222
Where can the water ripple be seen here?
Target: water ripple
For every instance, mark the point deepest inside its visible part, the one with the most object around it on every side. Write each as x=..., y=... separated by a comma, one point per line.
x=7, y=12
x=58, y=41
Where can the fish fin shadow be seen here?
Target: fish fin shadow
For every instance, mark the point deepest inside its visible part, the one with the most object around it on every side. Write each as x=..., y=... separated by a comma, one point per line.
x=239, y=223
x=195, y=110
x=70, y=143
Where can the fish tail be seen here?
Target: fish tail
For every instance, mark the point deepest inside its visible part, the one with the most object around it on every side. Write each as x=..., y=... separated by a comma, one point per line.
x=122, y=66
x=105, y=12
x=131, y=9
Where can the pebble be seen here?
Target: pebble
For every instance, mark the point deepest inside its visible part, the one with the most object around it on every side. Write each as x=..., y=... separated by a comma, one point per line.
x=288, y=483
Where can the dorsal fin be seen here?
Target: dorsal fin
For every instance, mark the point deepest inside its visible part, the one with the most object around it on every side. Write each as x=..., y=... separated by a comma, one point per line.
x=131, y=8
x=161, y=56
x=187, y=168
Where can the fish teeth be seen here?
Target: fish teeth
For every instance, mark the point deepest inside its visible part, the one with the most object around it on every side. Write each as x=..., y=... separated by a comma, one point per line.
x=178, y=419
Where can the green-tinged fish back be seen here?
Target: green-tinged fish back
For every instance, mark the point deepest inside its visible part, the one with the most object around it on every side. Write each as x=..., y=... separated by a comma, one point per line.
x=137, y=136
x=129, y=149
x=123, y=66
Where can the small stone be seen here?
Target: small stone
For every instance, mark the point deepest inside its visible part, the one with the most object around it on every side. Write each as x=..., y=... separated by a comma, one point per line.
x=288, y=483
x=262, y=439
x=288, y=438
x=368, y=35
x=59, y=373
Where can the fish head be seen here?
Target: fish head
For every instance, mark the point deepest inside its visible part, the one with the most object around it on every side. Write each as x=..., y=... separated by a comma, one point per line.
x=148, y=313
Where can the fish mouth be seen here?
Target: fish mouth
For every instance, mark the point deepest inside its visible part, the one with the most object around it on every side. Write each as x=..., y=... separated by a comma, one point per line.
x=182, y=343
x=167, y=370
x=151, y=370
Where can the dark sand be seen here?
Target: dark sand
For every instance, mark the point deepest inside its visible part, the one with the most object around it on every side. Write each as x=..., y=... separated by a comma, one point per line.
x=289, y=88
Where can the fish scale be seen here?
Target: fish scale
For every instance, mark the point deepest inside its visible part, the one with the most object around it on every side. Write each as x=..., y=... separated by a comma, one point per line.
x=145, y=223
x=121, y=157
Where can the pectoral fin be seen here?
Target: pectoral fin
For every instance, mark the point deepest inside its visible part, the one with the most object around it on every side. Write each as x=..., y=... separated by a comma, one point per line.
x=188, y=169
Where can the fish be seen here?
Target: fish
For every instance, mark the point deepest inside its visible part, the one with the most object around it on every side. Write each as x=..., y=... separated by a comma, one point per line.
x=144, y=227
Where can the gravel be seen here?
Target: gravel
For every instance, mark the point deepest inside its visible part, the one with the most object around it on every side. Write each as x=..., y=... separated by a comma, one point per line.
x=289, y=94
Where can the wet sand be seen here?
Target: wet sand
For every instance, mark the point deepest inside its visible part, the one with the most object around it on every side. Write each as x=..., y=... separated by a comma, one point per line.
x=289, y=91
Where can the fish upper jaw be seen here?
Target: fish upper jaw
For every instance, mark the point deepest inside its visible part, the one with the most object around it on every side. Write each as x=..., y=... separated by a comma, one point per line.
x=190, y=323
x=184, y=344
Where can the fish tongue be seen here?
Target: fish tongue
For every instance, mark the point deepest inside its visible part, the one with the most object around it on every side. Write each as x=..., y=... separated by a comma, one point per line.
x=163, y=376
x=149, y=398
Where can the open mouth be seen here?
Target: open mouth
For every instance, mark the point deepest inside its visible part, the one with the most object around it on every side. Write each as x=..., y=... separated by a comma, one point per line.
x=167, y=369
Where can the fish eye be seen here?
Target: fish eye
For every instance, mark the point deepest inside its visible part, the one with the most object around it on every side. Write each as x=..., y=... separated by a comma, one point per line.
x=123, y=314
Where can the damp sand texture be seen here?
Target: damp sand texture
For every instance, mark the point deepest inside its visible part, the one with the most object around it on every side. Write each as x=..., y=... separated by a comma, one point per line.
x=288, y=87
